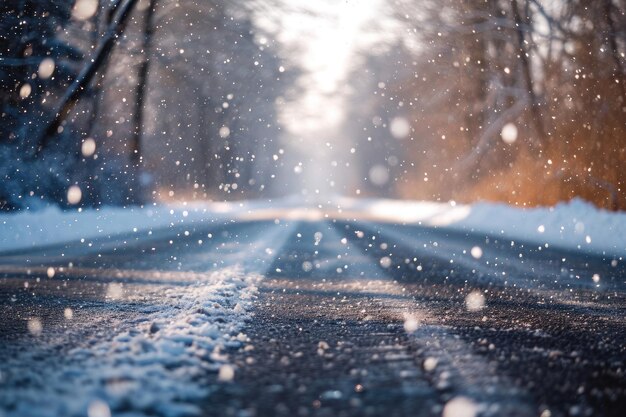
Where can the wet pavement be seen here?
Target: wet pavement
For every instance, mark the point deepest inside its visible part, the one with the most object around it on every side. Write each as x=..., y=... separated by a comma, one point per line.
x=356, y=317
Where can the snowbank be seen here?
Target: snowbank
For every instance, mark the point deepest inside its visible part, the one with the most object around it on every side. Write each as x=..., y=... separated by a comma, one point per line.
x=50, y=226
x=576, y=225
x=573, y=225
x=53, y=226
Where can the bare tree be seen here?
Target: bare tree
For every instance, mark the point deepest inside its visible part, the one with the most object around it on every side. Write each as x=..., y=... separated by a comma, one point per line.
x=79, y=86
x=552, y=76
x=142, y=83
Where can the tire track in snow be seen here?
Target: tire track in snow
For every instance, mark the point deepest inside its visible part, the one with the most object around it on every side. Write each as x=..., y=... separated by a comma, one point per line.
x=466, y=382
x=333, y=334
x=159, y=361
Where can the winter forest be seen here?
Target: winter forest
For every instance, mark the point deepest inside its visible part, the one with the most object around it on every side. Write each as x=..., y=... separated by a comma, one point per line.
x=125, y=102
x=279, y=208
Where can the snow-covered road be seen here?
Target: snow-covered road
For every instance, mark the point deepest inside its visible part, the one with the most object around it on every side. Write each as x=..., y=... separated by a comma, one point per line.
x=305, y=311
x=128, y=330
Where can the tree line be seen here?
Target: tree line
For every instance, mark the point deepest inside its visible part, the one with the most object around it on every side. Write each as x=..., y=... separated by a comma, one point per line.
x=522, y=101
x=131, y=100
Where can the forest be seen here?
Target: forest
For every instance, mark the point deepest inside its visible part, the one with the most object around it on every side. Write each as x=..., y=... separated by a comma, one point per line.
x=105, y=95
x=520, y=101
x=131, y=101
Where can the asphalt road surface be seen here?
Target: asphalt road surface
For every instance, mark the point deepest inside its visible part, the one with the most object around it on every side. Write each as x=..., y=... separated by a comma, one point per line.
x=352, y=318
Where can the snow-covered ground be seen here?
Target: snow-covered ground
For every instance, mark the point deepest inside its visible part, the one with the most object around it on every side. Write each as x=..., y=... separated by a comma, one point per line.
x=183, y=320
x=576, y=225
x=152, y=364
x=573, y=225
x=51, y=226
x=150, y=343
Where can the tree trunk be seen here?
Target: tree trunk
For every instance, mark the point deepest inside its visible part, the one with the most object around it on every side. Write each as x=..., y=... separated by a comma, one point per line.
x=611, y=38
x=142, y=82
x=79, y=86
x=526, y=72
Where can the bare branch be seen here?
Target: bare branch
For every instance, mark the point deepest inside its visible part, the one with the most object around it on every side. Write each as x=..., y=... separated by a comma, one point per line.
x=19, y=62
x=491, y=132
x=78, y=87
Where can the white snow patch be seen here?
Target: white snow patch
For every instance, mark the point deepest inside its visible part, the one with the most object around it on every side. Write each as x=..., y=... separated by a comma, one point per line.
x=573, y=225
x=576, y=224
x=28, y=229
x=53, y=226
x=158, y=367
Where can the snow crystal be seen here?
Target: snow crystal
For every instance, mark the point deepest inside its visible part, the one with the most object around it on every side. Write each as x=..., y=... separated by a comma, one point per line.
x=411, y=324
x=88, y=147
x=224, y=132
x=74, y=194
x=35, y=327
x=46, y=68
x=25, y=90
x=84, y=9
x=400, y=127
x=378, y=175
x=98, y=408
x=476, y=252
x=475, y=301
x=430, y=363
x=460, y=407
x=115, y=291
x=226, y=373
x=509, y=133
x=579, y=227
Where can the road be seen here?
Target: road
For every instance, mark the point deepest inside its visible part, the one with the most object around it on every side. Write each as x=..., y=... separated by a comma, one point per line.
x=330, y=317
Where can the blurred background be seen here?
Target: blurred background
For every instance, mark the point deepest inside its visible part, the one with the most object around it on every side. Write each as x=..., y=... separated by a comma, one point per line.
x=122, y=102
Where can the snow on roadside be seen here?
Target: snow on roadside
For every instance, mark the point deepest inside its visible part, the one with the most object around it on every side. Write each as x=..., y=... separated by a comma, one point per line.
x=154, y=367
x=52, y=225
x=576, y=225
x=49, y=226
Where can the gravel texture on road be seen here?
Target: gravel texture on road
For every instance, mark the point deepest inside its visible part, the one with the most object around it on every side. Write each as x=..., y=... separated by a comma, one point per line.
x=353, y=318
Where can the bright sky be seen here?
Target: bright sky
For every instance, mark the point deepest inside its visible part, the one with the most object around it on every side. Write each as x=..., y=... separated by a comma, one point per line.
x=324, y=35
x=322, y=38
